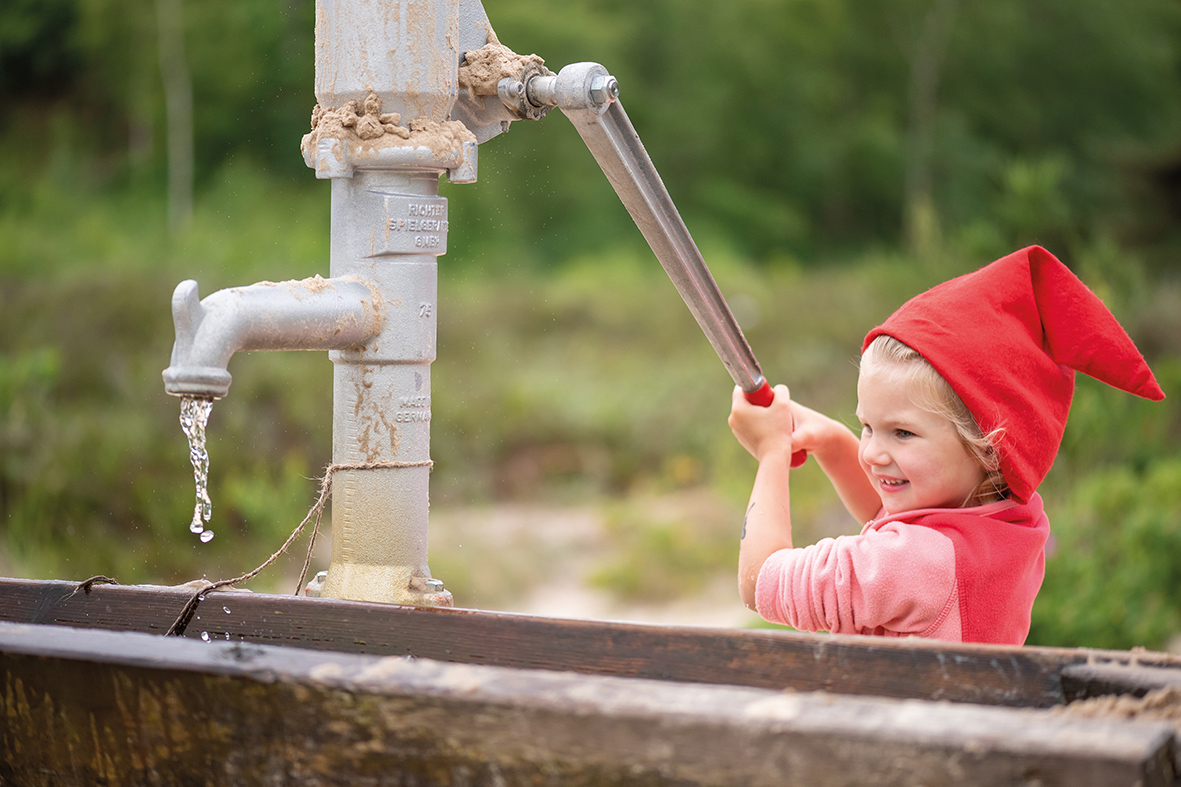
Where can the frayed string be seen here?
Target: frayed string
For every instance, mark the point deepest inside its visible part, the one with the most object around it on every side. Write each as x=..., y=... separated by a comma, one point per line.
x=317, y=512
x=87, y=584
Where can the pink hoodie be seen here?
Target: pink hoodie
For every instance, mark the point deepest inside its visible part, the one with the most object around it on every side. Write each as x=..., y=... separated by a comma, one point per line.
x=966, y=574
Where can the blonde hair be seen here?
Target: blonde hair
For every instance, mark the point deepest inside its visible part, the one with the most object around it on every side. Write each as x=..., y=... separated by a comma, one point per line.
x=932, y=393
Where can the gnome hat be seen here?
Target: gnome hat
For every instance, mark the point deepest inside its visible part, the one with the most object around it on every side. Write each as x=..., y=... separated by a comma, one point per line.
x=1008, y=338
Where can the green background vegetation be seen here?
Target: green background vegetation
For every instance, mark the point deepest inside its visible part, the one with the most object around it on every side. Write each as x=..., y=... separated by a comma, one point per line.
x=832, y=158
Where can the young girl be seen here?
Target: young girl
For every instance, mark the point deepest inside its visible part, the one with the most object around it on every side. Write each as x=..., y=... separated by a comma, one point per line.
x=962, y=396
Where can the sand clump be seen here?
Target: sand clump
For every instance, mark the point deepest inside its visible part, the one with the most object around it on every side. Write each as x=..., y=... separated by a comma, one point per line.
x=1157, y=705
x=483, y=68
x=368, y=128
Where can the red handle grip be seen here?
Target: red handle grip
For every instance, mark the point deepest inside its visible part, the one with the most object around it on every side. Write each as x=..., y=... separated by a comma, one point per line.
x=763, y=398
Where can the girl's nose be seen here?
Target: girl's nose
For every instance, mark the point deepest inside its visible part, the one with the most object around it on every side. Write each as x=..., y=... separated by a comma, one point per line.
x=872, y=452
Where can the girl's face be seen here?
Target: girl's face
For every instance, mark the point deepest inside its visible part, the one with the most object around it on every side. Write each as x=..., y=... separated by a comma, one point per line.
x=913, y=457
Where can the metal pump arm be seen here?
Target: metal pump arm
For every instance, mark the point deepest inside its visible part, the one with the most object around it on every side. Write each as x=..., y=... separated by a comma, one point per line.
x=588, y=96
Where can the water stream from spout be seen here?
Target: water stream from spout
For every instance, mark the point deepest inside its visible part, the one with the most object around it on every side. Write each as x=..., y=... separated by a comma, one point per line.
x=194, y=417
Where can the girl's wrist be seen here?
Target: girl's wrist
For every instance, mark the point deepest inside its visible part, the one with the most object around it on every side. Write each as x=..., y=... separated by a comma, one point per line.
x=779, y=452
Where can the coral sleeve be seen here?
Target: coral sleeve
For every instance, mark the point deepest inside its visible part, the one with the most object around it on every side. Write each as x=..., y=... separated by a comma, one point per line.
x=899, y=579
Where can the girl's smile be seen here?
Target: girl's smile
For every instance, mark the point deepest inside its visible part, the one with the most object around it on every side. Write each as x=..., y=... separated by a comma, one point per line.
x=914, y=458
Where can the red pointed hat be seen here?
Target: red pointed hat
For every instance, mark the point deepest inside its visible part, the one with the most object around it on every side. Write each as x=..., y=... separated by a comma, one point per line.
x=1008, y=338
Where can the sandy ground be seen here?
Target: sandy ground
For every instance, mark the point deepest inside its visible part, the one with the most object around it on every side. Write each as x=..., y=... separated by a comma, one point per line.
x=539, y=559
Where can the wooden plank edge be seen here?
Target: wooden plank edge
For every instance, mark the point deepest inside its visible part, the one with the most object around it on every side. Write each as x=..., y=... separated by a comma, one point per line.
x=901, y=668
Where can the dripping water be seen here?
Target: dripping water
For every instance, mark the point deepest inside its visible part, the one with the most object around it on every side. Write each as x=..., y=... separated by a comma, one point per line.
x=194, y=417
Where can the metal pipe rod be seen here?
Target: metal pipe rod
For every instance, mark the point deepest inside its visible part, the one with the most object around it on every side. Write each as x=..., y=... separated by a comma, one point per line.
x=587, y=95
x=613, y=142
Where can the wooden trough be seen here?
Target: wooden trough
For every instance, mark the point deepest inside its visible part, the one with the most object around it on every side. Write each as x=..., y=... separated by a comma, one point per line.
x=282, y=690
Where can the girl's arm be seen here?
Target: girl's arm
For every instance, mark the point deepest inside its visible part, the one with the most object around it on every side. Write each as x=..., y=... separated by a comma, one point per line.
x=766, y=433
x=770, y=434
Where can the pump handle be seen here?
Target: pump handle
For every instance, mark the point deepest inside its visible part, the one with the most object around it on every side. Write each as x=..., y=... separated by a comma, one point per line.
x=599, y=118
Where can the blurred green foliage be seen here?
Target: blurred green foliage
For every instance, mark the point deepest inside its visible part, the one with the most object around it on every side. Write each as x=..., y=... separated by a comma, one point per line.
x=1114, y=575
x=780, y=127
x=568, y=369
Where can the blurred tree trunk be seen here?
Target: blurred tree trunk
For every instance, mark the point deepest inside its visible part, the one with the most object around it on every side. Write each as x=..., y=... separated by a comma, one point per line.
x=178, y=94
x=926, y=55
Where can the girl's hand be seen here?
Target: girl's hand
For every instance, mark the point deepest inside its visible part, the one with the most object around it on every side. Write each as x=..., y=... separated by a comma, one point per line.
x=814, y=432
x=774, y=433
x=836, y=450
x=763, y=431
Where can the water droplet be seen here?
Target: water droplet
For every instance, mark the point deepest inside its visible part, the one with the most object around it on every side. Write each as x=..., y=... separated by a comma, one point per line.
x=207, y=536
x=205, y=635
x=227, y=636
x=226, y=610
x=196, y=526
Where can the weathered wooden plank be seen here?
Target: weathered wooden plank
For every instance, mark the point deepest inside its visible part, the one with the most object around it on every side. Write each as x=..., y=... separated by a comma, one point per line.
x=919, y=669
x=148, y=609
x=84, y=707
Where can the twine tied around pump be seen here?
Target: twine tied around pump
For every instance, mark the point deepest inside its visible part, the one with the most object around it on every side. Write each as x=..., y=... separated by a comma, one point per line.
x=316, y=512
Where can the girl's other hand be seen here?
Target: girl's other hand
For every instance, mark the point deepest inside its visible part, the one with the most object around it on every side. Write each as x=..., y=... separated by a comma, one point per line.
x=813, y=432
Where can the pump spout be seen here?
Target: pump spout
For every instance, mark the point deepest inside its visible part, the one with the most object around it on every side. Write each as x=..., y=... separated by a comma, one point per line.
x=312, y=314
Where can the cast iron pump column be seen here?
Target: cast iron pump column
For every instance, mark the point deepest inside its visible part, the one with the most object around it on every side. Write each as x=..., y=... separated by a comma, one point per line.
x=388, y=226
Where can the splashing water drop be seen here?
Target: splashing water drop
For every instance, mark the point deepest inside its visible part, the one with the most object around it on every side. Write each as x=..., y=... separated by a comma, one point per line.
x=205, y=635
x=194, y=417
x=206, y=536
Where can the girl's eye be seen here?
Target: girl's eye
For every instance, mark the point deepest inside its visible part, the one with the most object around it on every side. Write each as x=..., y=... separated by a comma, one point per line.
x=903, y=434
x=866, y=430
